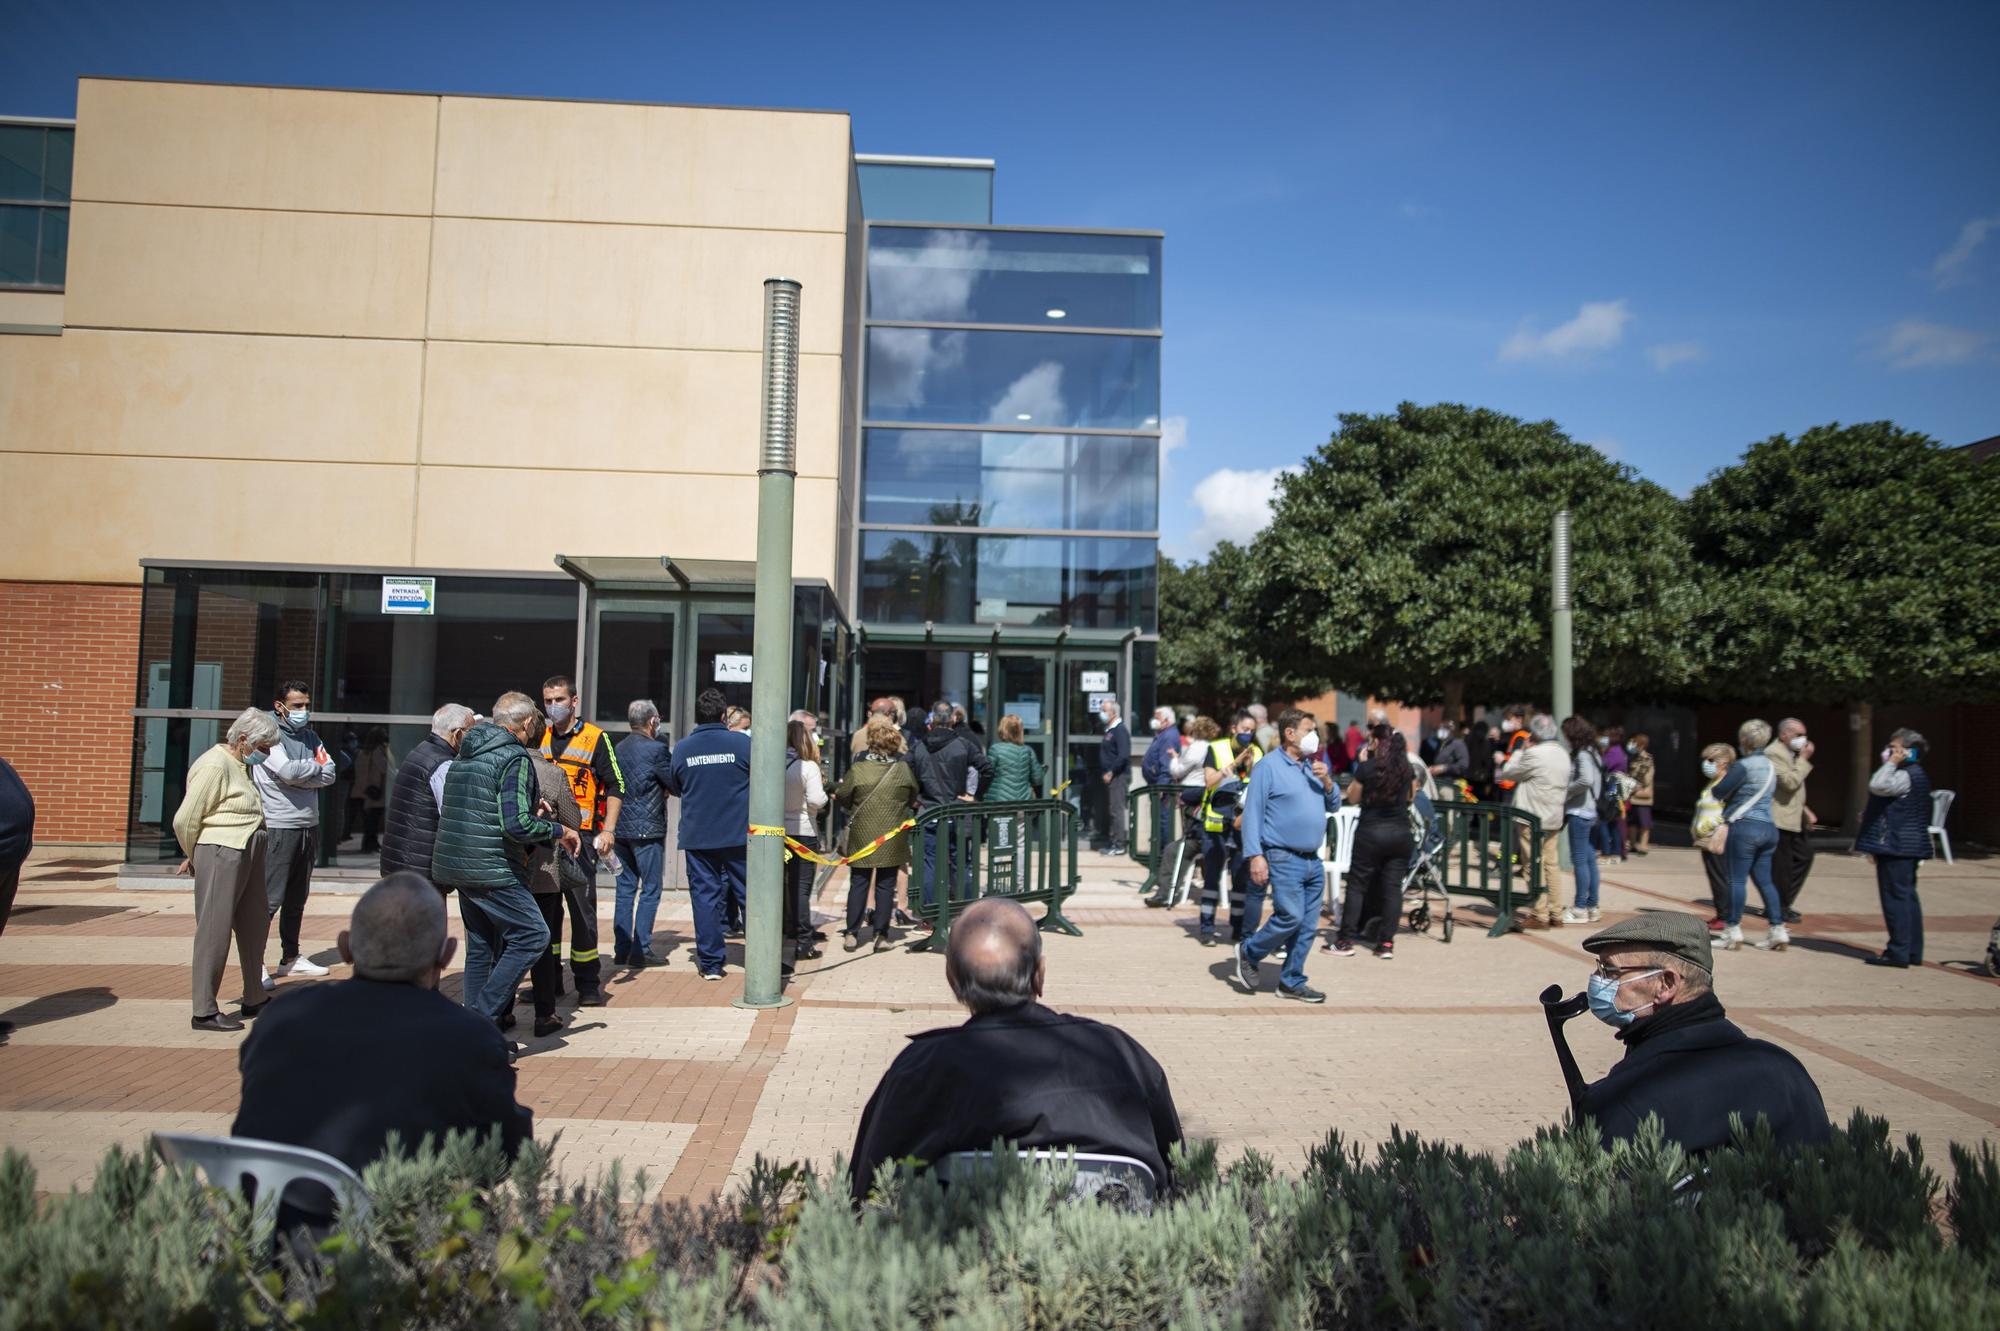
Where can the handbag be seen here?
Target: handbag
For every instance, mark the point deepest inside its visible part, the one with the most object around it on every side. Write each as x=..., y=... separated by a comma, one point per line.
x=570, y=868
x=1717, y=842
x=840, y=842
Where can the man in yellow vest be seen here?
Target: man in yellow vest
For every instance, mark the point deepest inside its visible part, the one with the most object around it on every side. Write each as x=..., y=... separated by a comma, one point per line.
x=585, y=754
x=1227, y=766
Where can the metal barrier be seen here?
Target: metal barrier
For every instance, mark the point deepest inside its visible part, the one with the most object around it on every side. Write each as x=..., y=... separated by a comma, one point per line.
x=1023, y=850
x=1142, y=827
x=1486, y=855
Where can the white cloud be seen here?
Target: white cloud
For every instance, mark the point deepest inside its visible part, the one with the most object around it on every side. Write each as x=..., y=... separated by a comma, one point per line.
x=1669, y=354
x=1412, y=211
x=1598, y=326
x=1954, y=266
x=1235, y=505
x=1916, y=343
x=1173, y=436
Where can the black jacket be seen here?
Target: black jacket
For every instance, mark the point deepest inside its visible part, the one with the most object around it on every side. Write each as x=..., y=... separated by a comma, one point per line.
x=17, y=819
x=941, y=762
x=410, y=826
x=1027, y=1075
x=335, y=1067
x=1114, y=751
x=1693, y=1067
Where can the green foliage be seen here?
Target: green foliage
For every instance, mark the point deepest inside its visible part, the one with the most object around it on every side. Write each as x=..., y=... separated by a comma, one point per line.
x=1409, y=558
x=1556, y=1233
x=1853, y=563
x=1208, y=658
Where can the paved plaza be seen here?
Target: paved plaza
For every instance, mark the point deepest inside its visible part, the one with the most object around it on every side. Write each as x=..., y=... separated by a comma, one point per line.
x=1447, y=1040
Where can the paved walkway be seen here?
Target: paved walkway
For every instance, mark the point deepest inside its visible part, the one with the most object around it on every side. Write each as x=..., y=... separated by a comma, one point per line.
x=1447, y=1040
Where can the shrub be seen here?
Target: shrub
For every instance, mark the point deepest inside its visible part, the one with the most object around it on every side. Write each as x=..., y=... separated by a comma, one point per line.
x=1557, y=1233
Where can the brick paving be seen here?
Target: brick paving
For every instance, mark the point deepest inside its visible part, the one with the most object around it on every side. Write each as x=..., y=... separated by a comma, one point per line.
x=1447, y=1041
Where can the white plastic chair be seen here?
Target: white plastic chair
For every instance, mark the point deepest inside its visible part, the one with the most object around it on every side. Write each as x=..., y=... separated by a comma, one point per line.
x=268, y=1167
x=1941, y=806
x=1094, y=1173
x=1337, y=850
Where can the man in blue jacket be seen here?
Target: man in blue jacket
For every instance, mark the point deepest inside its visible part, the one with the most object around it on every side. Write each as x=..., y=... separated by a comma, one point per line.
x=1157, y=769
x=711, y=777
x=1114, y=759
x=647, y=762
x=1284, y=821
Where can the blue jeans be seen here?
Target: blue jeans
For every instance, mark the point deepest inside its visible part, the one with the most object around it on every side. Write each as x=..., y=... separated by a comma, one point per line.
x=957, y=879
x=1896, y=884
x=1752, y=845
x=1583, y=859
x=640, y=864
x=1298, y=882
x=504, y=936
x=715, y=885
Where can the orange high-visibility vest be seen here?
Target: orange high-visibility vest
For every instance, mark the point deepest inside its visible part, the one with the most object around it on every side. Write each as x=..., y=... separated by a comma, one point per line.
x=575, y=760
x=1520, y=741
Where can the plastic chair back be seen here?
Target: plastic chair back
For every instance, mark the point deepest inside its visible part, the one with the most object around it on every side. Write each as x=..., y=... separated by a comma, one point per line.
x=262, y=1170
x=1338, y=848
x=1940, y=810
x=1114, y=1177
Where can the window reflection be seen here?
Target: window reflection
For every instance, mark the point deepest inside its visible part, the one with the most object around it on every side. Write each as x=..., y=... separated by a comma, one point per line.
x=1057, y=380
x=995, y=479
x=948, y=578
x=937, y=275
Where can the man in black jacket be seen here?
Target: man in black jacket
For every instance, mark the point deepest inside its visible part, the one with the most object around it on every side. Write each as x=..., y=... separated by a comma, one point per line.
x=950, y=769
x=1684, y=1060
x=17, y=838
x=1015, y=1071
x=409, y=1060
x=409, y=832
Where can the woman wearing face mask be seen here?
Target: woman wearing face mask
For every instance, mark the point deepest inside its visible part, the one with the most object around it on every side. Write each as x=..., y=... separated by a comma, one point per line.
x=1641, y=769
x=1715, y=761
x=1580, y=815
x=1611, y=830
x=1895, y=834
x=1383, y=784
x=220, y=825
x=1746, y=791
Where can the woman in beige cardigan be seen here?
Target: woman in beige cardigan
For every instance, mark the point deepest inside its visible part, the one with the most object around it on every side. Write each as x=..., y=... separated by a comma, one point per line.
x=220, y=825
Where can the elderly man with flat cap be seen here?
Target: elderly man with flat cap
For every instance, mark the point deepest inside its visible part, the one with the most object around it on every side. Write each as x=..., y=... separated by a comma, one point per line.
x=1015, y=1071
x=1684, y=1059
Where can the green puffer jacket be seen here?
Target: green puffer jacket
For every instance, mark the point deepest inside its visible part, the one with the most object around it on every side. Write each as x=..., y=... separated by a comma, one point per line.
x=1017, y=773
x=475, y=851
x=877, y=792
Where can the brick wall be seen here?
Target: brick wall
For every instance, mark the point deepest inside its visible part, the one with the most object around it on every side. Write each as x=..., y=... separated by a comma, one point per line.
x=67, y=653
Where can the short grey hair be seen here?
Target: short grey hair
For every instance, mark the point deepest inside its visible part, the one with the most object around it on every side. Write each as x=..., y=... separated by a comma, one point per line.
x=1543, y=728
x=1753, y=736
x=994, y=952
x=255, y=726
x=1259, y=711
x=452, y=716
x=1694, y=978
x=1912, y=739
x=1789, y=723
x=514, y=709
x=642, y=712
x=1267, y=738
x=397, y=931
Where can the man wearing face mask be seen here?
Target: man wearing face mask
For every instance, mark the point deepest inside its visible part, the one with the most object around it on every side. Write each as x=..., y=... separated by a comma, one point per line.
x=1684, y=1059
x=1114, y=758
x=1226, y=767
x=586, y=756
x=289, y=785
x=1791, y=758
x=411, y=1061
x=1284, y=821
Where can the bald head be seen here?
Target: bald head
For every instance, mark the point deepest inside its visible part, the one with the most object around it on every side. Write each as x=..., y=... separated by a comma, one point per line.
x=994, y=961
x=397, y=932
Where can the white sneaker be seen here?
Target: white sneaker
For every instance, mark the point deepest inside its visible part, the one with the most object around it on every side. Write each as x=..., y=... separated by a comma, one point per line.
x=1778, y=940
x=1732, y=937
x=1595, y=914
x=304, y=966
x=1575, y=916
x=269, y=983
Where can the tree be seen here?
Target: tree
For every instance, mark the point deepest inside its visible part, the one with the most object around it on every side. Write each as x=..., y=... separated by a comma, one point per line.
x=1208, y=657
x=1409, y=559
x=1856, y=565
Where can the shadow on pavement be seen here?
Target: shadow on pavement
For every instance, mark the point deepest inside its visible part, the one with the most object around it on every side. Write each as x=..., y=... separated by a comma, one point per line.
x=55, y=1007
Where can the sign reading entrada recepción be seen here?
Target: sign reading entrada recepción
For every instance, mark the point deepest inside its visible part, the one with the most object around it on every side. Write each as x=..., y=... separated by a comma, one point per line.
x=409, y=596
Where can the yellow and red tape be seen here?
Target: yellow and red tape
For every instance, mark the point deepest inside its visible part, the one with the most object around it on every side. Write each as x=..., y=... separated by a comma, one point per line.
x=793, y=847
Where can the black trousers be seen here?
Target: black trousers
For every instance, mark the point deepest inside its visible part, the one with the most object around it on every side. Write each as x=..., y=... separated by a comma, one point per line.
x=799, y=873
x=1374, y=885
x=1791, y=864
x=859, y=883
x=1717, y=869
x=582, y=907
x=10, y=882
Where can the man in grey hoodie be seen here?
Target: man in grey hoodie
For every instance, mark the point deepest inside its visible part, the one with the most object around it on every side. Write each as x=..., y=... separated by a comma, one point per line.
x=289, y=784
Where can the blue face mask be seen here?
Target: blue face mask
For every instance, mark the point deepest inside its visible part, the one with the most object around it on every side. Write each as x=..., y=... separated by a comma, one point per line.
x=298, y=716
x=1708, y=768
x=1603, y=995
x=255, y=758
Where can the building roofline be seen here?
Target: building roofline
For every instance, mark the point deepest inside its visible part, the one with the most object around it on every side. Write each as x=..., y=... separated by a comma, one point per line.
x=898, y=159
x=56, y=121
x=463, y=96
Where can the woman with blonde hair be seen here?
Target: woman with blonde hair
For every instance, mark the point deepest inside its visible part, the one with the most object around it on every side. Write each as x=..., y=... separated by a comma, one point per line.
x=805, y=796
x=878, y=793
x=1017, y=770
x=220, y=825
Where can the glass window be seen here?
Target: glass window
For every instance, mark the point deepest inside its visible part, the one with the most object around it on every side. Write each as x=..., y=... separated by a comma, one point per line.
x=954, y=478
x=723, y=646
x=20, y=244
x=908, y=192
x=1061, y=279
x=1052, y=380
x=22, y=148
x=61, y=148
x=635, y=659
x=1083, y=582
x=52, y=255
x=486, y=636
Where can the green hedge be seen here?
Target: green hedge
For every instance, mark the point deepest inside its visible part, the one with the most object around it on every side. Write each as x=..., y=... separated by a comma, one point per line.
x=1557, y=1233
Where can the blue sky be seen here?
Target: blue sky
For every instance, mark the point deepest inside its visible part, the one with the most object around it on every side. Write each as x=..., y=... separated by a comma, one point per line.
x=1674, y=228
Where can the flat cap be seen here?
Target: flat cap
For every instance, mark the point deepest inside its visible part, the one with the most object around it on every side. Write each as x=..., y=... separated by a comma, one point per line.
x=1671, y=931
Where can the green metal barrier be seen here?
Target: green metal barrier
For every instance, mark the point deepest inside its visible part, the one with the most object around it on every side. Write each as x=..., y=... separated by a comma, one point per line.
x=1024, y=850
x=1142, y=828
x=1485, y=855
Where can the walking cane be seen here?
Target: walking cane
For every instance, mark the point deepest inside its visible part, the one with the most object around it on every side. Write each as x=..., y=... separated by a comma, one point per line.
x=1558, y=1010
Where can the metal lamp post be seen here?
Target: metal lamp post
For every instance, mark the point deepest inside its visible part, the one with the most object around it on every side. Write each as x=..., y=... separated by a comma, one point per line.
x=771, y=660
x=1562, y=700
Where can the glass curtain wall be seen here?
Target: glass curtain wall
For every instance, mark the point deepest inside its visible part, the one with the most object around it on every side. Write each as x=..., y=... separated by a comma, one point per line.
x=1010, y=454
x=35, y=162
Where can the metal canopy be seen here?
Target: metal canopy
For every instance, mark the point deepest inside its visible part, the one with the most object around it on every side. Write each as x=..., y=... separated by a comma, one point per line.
x=641, y=573
x=993, y=635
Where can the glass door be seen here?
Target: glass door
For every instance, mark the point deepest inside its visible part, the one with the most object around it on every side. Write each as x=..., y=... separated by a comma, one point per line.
x=1086, y=684
x=633, y=645
x=1023, y=686
x=720, y=648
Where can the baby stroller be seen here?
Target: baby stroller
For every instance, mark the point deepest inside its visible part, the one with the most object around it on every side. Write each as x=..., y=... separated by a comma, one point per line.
x=1425, y=878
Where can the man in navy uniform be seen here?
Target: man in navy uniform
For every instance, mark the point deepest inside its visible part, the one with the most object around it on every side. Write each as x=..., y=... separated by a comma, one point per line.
x=711, y=778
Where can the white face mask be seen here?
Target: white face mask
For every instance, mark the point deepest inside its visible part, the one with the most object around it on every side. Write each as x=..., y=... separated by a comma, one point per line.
x=1798, y=743
x=1309, y=743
